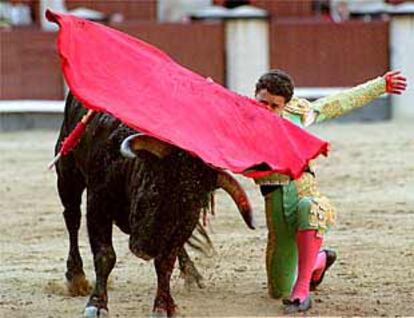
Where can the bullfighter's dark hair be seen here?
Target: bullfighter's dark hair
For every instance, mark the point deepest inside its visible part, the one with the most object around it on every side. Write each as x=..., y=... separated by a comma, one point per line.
x=276, y=82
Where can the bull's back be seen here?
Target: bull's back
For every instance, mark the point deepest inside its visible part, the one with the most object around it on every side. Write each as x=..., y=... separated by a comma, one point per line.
x=102, y=136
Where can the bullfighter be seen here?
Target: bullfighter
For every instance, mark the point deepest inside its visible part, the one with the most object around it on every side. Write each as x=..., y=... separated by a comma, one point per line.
x=297, y=214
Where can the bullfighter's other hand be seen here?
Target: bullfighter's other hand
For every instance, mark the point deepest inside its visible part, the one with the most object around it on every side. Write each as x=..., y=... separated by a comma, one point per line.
x=395, y=82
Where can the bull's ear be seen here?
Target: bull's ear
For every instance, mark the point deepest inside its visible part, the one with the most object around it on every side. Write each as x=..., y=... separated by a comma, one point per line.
x=138, y=142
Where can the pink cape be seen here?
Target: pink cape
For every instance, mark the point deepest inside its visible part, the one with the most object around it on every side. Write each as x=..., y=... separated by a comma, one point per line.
x=109, y=71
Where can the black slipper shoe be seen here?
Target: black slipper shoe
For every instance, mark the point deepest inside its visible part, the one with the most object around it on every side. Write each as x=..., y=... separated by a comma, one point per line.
x=293, y=306
x=330, y=259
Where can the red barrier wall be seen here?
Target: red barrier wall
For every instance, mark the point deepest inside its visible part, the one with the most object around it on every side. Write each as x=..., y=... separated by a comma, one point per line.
x=30, y=69
x=29, y=65
x=316, y=53
x=329, y=54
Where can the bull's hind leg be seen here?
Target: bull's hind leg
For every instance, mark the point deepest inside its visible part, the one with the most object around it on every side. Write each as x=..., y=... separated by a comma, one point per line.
x=189, y=270
x=200, y=241
x=70, y=187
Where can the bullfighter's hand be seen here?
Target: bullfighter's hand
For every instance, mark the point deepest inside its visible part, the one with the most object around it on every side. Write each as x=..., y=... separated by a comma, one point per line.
x=395, y=82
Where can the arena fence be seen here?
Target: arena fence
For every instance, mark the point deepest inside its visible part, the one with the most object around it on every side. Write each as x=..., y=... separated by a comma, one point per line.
x=325, y=54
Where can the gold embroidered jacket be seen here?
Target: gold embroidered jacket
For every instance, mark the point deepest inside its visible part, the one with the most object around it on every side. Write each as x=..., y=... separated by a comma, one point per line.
x=304, y=113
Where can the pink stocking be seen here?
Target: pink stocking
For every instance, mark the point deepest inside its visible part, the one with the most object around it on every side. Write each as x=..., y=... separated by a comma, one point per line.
x=308, y=245
x=319, y=266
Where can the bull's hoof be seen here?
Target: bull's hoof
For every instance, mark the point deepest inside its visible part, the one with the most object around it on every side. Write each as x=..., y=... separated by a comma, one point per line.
x=94, y=312
x=164, y=308
x=159, y=313
x=163, y=313
x=79, y=286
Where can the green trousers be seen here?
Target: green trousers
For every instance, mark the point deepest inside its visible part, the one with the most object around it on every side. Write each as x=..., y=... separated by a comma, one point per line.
x=281, y=252
x=287, y=213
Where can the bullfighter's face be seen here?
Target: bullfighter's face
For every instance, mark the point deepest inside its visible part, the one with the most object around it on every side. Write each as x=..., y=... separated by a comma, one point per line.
x=274, y=103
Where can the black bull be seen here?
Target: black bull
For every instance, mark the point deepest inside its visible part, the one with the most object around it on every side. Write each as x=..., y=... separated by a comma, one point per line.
x=156, y=198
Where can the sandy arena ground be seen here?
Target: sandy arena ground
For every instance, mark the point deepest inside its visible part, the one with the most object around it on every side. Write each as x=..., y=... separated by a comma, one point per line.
x=369, y=175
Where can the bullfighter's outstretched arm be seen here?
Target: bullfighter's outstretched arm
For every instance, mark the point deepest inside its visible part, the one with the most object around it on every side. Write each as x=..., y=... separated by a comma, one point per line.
x=339, y=104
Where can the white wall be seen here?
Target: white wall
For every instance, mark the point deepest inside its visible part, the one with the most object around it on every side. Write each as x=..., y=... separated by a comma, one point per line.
x=247, y=53
x=55, y=5
x=178, y=10
x=402, y=58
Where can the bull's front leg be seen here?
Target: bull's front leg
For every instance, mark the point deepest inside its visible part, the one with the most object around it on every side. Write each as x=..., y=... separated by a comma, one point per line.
x=100, y=236
x=164, y=305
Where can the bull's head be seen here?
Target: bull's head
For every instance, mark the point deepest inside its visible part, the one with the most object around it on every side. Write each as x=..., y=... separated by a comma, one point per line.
x=159, y=209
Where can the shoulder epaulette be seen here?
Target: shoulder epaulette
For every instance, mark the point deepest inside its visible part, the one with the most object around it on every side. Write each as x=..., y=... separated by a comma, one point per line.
x=299, y=106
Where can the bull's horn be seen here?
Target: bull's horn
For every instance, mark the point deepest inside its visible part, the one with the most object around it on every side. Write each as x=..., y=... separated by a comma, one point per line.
x=140, y=141
x=235, y=190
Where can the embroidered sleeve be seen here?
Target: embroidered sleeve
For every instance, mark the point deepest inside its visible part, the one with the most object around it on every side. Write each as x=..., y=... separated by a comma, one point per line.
x=302, y=109
x=339, y=104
